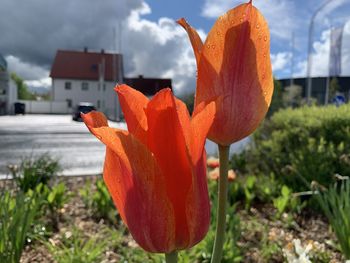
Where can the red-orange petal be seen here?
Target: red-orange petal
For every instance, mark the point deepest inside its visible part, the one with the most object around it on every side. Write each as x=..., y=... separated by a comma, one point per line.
x=133, y=104
x=195, y=39
x=137, y=187
x=167, y=143
x=200, y=125
x=235, y=64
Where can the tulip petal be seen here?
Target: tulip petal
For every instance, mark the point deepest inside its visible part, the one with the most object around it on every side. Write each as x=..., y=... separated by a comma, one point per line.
x=185, y=122
x=235, y=64
x=197, y=203
x=195, y=39
x=137, y=187
x=167, y=143
x=200, y=124
x=133, y=104
x=94, y=119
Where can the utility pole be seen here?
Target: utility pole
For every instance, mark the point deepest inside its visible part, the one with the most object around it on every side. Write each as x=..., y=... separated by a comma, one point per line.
x=309, y=63
x=101, y=83
x=292, y=61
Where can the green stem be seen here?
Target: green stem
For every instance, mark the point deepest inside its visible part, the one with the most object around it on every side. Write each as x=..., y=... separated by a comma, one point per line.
x=171, y=257
x=222, y=204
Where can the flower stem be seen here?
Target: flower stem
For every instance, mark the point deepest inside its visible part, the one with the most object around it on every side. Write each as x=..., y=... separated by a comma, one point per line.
x=222, y=203
x=171, y=257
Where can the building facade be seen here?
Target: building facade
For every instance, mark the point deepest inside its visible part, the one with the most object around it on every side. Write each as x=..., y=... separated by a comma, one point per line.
x=84, y=76
x=319, y=87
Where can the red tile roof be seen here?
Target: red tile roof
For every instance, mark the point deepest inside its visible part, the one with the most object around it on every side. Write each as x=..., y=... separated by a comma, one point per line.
x=83, y=65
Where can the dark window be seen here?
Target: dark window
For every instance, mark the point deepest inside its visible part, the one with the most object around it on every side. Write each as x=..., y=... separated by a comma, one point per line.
x=69, y=103
x=2, y=91
x=67, y=85
x=84, y=86
x=104, y=86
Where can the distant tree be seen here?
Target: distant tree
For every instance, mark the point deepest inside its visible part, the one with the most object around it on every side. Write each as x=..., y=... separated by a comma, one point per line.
x=188, y=99
x=334, y=87
x=277, y=98
x=23, y=92
x=292, y=96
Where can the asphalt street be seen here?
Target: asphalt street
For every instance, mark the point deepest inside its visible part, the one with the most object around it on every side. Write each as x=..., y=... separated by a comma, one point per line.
x=79, y=152
x=31, y=135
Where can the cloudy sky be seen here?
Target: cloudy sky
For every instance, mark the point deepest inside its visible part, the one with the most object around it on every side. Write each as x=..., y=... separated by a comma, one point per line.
x=152, y=43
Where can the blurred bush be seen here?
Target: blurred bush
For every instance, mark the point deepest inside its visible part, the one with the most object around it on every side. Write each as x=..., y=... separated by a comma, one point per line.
x=98, y=200
x=34, y=171
x=300, y=145
x=335, y=203
x=17, y=214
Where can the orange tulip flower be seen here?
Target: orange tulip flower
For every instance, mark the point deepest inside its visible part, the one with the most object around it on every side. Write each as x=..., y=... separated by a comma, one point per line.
x=234, y=67
x=213, y=162
x=214, y=175
x=156, y=171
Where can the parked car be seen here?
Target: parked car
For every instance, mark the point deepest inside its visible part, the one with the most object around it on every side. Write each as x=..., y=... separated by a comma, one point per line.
x=83, y=107
x=20, y=108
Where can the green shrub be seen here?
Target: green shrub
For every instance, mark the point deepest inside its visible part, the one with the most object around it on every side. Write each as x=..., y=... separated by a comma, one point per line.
x=335, y=202
x=17, y=214
x=99, y=201
x=309, y=142
x=54, y=198
x=78, y=249
x=34, y=171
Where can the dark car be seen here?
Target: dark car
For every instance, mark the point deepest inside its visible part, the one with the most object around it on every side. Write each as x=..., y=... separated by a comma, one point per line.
x=82, y=108
x=20, y=108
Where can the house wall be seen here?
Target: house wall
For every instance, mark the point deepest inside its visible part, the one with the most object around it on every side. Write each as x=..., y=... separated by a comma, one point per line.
x=44, y=107
x=105, y=99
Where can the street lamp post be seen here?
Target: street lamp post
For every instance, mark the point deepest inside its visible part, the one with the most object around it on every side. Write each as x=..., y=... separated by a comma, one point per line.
x=309, y=51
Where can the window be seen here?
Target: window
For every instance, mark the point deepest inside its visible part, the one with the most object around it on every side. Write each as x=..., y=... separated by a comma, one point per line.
x=98, y=104
x=2, y=92
x=67, y=85
x=69, y=103
x=84, y=86
x=104, y=86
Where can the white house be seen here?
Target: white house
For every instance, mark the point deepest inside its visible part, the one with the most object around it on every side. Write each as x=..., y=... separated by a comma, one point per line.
x=84, y=76
x=87, y=77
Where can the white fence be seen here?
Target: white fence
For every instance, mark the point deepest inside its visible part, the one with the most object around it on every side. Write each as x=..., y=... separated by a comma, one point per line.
x=56, y=107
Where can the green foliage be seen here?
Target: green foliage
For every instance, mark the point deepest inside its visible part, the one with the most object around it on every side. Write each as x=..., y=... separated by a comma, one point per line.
x=17, y=214
x=188, y=99
x=269, y=249
x=333, y=88
x=99, y=201
x=277, y=98
x=22, y=89
x=75, y=248
x=57, y=196
x=249, y=189
x=231, y=252
x=310, y=142
x=35, y=171
x=286, y=201
x=54, y=199
x=335, y=202
x=292, y=96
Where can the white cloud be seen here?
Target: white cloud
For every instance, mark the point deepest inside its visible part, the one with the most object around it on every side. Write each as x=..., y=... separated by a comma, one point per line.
x=320, y=56
x=159, y=49
x=25, y=70
x=346, y=50
x=281, y=15
x=281, y=61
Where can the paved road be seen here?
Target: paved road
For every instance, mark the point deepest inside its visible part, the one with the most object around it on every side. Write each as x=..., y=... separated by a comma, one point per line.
x=79, y=152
